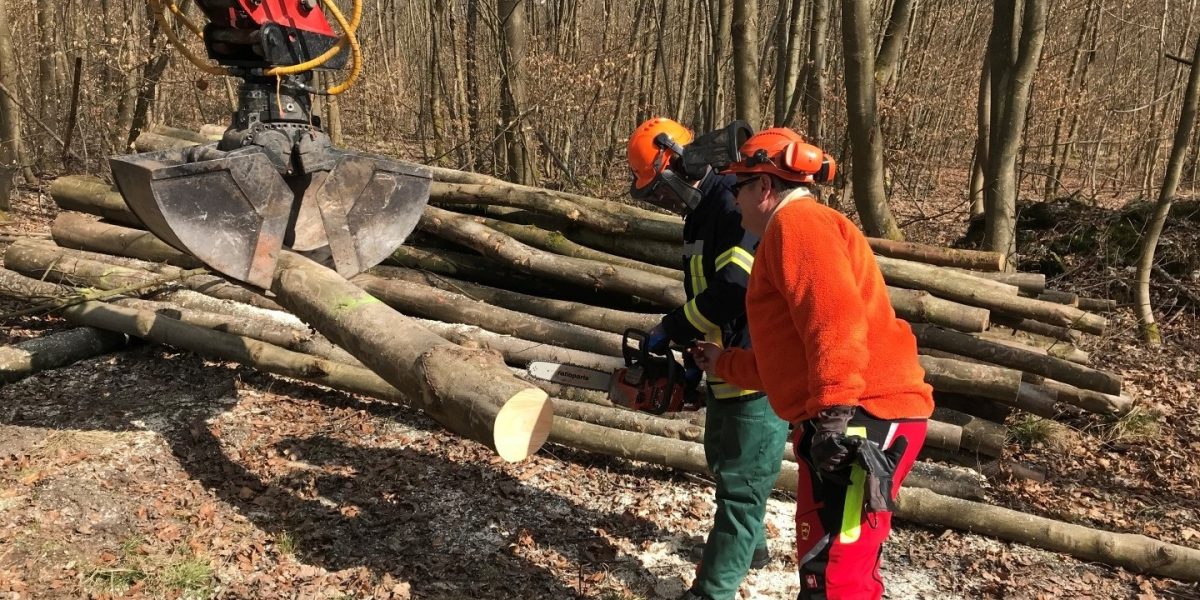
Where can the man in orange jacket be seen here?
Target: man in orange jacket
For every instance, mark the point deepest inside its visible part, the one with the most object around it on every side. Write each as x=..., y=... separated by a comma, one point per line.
x=834, y=360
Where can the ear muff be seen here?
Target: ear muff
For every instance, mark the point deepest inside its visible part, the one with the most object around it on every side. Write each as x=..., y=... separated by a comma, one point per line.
x=827, y=171
x=799, y=157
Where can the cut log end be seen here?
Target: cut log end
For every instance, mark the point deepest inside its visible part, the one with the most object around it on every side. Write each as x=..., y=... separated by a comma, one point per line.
x=523, y=424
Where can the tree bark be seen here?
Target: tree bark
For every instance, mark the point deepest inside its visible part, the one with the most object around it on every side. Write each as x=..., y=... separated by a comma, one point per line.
x=1089, y=400
x=479, y=269
x=10, y=116
x=56, y=350
x=1042, y=345
x=594, y=317
x=558, y=243
x=152, y=73
x=1012, y=69
x=432, y=303
x=787, y=70
x=978, y=435
x=1024, y=360
x=814, y=94
x=1030, y=283
x=92, y=195
x=522, y=160
x=972, y=379
x=1166, y=195
x=863, y=122
x=918, y=306
x=599, y=276
x=164, y=330
x=975, y=292
x=517, y=351
x=73, y=230
x=553, y=205
x=1134, y=552
x=939, y=256
x=470, y=392
x=894, y=34
x=744, y=30
x=298, y=338
x=108, y=272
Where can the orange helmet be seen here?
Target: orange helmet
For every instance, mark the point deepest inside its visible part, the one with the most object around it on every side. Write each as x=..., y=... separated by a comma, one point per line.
x=782, y=152
x=651, y=148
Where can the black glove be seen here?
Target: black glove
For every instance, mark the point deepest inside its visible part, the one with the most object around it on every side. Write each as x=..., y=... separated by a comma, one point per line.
x=829, y=449
x=880, y=466
x=657, y=341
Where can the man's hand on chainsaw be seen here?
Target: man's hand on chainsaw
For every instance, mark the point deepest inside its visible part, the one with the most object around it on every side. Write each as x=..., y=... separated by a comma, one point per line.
x=706, y=354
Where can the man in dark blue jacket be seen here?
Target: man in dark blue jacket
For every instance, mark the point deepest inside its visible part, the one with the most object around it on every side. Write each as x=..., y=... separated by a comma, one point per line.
x=743, y=439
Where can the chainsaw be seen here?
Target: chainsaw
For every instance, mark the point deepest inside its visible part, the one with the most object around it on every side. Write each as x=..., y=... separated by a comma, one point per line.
x=648, y=382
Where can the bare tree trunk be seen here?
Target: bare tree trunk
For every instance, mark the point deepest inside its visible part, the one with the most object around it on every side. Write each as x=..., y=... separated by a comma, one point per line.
x=893, y=42
x=47, y=48
x=1166, y=194
x=127, y=87
x=983, y=125
x=787, y=71
x=1069, y=99
x=333, y=120
x=863, y=118
x=522, y=160
x=744, y=29
x=474, y=128
x=685, y=72
x=1013, y=65
x=435, y=106
x=461, y=103
x=814, y=94
x=716, y=81
x=152, y=72
x=10, y=117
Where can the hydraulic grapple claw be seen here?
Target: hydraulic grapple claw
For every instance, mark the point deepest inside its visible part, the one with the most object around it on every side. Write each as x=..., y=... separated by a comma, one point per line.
x=234, y=211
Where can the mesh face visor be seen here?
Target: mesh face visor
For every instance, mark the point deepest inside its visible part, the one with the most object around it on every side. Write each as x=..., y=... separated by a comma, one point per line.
x=717, y=149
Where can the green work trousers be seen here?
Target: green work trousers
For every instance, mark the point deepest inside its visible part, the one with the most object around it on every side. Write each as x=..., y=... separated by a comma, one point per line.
x=743, y=444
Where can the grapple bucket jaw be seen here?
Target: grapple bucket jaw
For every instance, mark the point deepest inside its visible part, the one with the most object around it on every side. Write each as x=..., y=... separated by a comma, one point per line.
x=234, y=211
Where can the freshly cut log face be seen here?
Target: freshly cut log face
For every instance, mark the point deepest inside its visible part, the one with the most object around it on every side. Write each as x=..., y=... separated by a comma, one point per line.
x=469, y=391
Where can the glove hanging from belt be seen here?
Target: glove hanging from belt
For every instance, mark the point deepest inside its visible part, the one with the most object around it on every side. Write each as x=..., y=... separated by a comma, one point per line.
x=832, y=453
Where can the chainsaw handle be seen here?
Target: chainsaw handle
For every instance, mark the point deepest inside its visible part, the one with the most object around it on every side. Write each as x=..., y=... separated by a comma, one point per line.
x=634, y=354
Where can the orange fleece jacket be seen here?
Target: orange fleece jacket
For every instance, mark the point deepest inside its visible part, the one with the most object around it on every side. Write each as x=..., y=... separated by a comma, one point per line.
x=823, y=329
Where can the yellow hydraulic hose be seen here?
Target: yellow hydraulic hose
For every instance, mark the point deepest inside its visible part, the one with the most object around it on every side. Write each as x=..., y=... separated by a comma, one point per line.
x=355, y=49
x=308, y=65
x=349, y=38
x=183, y=18
x=156, y=8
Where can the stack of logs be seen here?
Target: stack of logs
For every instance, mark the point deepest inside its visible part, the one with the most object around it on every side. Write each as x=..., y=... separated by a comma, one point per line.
x=534, y=274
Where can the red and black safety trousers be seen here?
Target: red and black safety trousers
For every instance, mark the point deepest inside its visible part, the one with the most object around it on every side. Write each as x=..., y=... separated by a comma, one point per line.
x=839, y=544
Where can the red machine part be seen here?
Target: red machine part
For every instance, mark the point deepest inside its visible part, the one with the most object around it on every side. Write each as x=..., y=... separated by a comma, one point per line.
x=285, y=13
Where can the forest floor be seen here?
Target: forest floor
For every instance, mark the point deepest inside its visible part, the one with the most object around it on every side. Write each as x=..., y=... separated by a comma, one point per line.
x=152, y=473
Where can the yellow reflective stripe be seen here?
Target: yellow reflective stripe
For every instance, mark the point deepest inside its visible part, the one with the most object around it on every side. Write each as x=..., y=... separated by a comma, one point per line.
x=738, y=256
x=698, y=320
x=711, y=331
x=699, y=284
x=852, y=511
x=723, y=391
